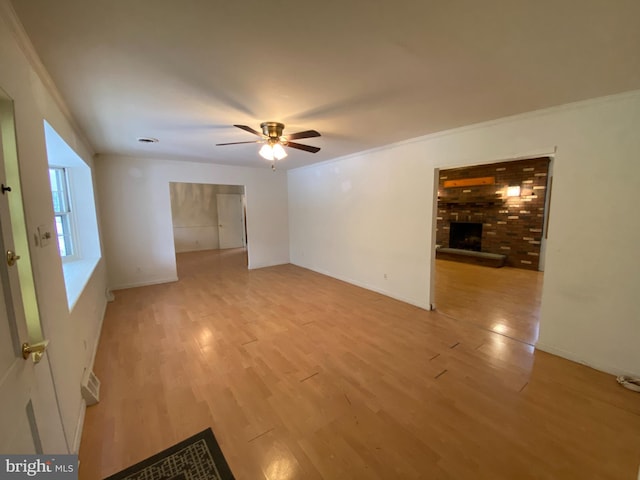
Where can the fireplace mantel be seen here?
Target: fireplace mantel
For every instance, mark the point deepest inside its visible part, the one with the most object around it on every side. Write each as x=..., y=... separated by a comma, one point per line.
x=471, y=200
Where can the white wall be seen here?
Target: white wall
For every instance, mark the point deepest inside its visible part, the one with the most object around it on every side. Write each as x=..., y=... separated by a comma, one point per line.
x=136, y=214
x=362, y=216
x=73, y=335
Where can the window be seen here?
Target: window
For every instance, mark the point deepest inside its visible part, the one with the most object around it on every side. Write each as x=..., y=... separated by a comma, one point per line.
x=75, y=221
x=62, y=210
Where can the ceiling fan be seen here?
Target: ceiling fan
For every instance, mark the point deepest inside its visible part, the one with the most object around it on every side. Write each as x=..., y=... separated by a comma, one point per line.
x=274, y=141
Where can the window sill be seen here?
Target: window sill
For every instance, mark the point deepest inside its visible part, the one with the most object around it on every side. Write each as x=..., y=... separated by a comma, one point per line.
x=76, y=275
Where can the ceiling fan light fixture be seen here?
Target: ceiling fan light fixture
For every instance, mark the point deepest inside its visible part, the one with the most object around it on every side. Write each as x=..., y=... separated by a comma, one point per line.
x=266, y=152
x=272, y=152
x=274, y=142
x=279, y=152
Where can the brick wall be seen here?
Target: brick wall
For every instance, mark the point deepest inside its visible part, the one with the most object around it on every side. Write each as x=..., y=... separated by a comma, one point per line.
x=510, y=225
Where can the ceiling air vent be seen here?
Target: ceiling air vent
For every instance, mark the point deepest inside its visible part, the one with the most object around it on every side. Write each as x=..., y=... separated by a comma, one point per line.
x=148, y=140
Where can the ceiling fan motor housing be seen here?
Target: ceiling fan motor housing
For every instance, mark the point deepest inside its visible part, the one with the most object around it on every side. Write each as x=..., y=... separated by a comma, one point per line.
x=272, y=129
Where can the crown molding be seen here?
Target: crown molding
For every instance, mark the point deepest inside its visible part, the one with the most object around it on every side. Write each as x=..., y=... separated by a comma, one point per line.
x=8, y=13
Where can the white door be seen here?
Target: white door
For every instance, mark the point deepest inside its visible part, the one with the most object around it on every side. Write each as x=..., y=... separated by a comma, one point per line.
x=230, y=220
x=16, y=374
x=29, y=417
x=16, y=378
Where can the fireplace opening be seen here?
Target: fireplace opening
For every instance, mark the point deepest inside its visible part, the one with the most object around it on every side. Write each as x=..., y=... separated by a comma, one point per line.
x=466, y=236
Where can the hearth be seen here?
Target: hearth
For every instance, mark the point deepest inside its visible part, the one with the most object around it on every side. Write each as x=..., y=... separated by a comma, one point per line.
x=466, y=236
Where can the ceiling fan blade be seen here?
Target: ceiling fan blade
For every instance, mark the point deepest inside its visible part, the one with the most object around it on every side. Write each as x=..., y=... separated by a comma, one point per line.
x=236, y=143
x=249, y=129
x=305, y=134
x=299, y=146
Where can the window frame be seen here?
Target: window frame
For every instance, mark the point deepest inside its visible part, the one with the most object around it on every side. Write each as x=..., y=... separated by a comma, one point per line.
x=67, y=216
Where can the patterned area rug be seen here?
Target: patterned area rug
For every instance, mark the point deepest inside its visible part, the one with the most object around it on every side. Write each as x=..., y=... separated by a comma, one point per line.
x=196, y=458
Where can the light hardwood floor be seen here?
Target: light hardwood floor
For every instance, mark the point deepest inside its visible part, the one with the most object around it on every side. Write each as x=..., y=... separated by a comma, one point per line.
x=504, y=300
x=305, y=377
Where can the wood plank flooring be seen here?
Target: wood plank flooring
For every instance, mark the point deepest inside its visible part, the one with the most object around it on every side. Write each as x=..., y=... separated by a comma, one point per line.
x=505, y=300
x=302, y=376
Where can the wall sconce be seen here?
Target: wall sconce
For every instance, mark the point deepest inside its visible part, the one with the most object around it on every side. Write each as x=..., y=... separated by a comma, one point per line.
x=513, y=191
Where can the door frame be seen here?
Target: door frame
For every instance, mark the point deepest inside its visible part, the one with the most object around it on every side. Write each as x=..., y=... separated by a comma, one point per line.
x=214, y=183
x=550, y=153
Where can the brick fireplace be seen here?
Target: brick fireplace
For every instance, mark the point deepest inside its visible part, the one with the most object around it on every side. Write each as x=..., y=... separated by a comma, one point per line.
x=483, y=218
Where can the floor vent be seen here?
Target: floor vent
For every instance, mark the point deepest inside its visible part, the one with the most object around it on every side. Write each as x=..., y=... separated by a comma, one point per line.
x=109, y=295
x=90, y=388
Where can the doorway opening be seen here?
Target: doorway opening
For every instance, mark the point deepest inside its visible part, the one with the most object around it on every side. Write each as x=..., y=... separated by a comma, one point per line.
x=208, y=216
x=492, y=210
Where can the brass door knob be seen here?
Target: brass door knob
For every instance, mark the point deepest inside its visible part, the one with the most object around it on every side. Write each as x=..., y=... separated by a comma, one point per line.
x=37, y=350
x=12, y=258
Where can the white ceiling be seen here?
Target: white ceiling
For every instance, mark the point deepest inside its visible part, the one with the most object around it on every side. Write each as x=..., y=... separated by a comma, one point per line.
x=363, y=73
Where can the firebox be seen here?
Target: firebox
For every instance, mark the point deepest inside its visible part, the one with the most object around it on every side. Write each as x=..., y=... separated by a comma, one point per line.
x=466, y=236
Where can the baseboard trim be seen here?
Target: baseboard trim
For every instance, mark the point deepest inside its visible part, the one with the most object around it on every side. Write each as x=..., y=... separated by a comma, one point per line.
x=600, y=366
x=83, y=407
x=122, y=286
x=424, y=305
x=97, y=342
x=78, y=434
x=256, y=266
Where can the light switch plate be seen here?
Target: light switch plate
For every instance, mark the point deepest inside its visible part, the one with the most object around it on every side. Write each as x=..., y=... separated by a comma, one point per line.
x=44, y=236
